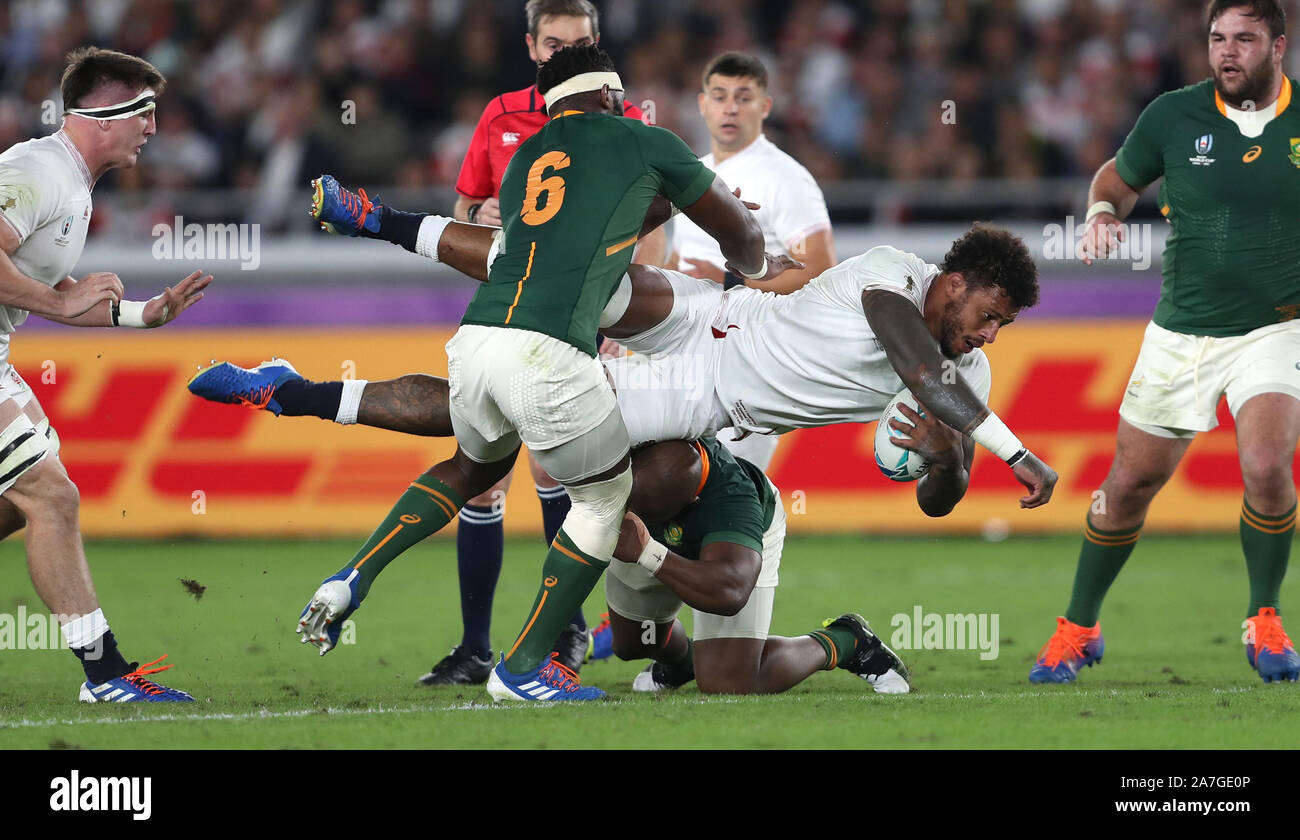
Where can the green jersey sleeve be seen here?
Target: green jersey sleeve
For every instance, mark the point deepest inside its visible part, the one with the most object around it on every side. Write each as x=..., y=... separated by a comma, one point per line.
x=683, y=177
x=1141, y=159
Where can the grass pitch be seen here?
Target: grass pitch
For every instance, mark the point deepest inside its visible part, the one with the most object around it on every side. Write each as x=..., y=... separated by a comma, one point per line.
x=1174, y=674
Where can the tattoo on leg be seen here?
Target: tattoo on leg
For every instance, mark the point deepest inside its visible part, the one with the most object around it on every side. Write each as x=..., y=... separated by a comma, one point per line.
x=416, y=404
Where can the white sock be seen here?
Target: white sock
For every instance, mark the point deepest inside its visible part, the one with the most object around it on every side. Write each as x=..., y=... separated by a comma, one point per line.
x=350, y=401
x=85, y=631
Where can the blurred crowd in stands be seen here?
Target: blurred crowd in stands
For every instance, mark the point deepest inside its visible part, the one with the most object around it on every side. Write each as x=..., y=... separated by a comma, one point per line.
x=263, y=94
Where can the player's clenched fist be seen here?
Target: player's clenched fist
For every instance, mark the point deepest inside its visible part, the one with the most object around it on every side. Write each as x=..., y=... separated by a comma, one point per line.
x=78, y=297
x=1101, y=236
x=633, y=537
x=1039, y=478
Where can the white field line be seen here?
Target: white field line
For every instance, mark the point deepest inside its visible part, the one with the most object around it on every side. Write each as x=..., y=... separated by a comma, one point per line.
x=264, y=714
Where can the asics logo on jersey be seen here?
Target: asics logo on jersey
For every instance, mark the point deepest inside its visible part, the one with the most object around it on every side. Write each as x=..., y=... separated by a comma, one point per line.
x=717, y=333
x=1251, y=154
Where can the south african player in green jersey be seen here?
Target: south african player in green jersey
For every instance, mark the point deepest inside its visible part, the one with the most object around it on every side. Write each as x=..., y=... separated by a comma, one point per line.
x=1229, y=152
x=523, y=367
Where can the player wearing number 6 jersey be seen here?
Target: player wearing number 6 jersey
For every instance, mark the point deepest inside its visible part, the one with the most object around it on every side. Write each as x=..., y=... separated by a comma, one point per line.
x=523, y=365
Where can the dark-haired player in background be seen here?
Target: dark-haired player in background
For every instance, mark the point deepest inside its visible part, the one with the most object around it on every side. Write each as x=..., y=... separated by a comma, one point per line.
x=1229, y=152
x=45, y=207
x=523, y=367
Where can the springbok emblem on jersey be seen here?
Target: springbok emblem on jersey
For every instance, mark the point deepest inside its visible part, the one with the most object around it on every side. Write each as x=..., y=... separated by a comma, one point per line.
x=1295, y=151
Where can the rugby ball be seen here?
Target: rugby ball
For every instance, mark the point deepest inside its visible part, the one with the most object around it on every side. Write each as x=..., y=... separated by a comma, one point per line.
x=895, y=462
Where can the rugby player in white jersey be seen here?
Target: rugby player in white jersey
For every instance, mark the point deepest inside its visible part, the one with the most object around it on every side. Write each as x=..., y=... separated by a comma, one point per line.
x=792, y=211
x=825, y=354
x=836, y=351
x=45, y=208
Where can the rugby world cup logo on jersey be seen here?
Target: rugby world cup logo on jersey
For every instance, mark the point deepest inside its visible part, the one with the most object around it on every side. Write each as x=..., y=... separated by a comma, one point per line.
x=62, y=238
x=1203, y=145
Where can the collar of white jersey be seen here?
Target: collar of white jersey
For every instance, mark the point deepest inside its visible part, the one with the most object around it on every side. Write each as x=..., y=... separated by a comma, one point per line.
x=758, y=146
x=75, y=154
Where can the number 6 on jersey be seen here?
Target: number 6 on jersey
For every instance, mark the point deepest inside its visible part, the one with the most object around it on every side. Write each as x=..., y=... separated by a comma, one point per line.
x=535, y=211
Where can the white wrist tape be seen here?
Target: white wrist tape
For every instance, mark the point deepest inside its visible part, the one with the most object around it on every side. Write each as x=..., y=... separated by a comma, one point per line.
x=993, y=435
x=762, y=272
x=1101, y=207
x=426, y=240
x=652, y=556
x=129, y=313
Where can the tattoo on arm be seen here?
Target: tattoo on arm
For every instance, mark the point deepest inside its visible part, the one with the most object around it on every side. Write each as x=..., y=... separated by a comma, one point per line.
x=911, y=350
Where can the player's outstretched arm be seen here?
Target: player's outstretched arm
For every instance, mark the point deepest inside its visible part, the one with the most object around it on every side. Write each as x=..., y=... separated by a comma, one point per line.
x=720, y=214
x=720, y=582
x=155, y=312
x=62, y=301
x=912, y=352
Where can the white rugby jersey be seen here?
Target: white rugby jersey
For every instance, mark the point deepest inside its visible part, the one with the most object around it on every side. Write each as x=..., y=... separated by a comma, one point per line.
x=810, y=358
x=792, y=203
x=45, y=197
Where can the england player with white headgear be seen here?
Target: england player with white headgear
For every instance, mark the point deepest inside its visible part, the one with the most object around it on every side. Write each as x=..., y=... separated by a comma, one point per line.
x=45, y=208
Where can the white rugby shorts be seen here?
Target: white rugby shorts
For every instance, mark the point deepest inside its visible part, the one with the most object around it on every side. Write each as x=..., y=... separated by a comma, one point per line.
x=1178, y=379
x=509, y=385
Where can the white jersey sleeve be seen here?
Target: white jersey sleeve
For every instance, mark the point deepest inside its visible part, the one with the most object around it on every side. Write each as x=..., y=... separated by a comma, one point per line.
x=25, y=204
x=882, y=267
x=798, y=209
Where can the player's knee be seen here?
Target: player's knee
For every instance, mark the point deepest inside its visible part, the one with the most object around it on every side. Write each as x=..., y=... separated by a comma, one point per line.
x=1128, y=489
x=726, y=683
x=597, y=513
x=628, y=648
x=1266, y=475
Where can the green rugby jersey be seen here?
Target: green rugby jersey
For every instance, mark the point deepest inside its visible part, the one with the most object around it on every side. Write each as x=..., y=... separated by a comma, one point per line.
x=736, y=505
x=1232, y=260
x=572, y=203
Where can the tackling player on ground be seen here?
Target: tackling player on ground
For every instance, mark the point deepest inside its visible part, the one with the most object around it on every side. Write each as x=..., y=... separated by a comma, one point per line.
x=45, y=208
x=1229, y=152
